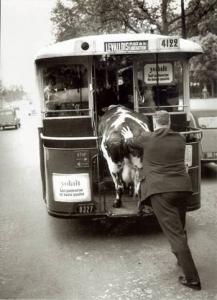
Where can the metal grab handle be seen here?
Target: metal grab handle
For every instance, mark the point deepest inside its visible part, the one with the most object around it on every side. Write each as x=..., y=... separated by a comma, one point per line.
x=163, y=106
x=191, y=132
x=65, y=110
x=195, y=132
x=57, y=138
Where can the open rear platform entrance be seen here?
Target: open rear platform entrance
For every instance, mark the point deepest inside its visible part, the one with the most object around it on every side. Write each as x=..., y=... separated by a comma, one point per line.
x=130, y=204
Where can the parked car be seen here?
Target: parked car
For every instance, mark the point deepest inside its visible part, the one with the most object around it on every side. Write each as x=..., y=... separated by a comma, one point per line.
x=204, y=116
x=9, y=118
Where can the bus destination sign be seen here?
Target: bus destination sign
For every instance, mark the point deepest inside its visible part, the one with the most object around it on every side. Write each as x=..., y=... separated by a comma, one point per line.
x=126, y=46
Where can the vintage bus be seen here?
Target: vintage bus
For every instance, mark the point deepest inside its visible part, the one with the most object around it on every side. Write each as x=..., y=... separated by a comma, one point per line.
x=204, y=116
x=77, y=80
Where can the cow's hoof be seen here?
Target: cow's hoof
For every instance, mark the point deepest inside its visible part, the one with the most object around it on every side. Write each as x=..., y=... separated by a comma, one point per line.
x=117, y=204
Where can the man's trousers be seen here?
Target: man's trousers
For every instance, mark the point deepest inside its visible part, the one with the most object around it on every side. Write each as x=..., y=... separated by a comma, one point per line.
x=170, y=210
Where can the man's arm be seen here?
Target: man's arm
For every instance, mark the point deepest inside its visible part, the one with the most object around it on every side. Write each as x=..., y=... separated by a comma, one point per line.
x=138, y=139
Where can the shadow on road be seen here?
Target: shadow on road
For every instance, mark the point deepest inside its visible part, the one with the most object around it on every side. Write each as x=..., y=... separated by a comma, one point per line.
x=128, y=227
x=108, y=228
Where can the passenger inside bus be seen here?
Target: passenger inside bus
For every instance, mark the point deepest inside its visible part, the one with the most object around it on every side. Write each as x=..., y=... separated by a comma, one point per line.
x=152, y=96
x=125, y=91
x=65, y=89
x=166, y=96
x=146, y=98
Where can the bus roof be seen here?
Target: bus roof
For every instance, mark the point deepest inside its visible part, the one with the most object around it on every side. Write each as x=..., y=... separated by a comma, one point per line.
x=126, y=43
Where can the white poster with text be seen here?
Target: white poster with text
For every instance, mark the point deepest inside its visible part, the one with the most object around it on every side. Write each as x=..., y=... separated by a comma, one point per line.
x=164, y=71
x=71, y=187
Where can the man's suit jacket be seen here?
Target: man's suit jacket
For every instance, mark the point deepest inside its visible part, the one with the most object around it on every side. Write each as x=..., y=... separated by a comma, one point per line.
x=163, y=164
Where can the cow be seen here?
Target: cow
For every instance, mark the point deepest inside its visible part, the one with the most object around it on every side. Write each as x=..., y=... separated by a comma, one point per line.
x=124, y=159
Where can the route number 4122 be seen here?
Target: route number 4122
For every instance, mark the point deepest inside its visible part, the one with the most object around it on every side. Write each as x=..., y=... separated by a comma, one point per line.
x=169, y=43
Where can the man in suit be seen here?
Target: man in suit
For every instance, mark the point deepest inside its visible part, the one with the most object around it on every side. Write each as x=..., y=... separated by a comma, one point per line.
x=167, y=185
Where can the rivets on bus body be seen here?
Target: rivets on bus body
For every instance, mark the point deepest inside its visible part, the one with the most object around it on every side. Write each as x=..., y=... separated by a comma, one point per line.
x=85, y=46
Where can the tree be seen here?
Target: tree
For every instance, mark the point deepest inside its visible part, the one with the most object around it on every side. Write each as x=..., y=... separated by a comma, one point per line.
x=203, y=20
x=12, y=93
x=81, y=17
x=201, y=17
x=204, y=66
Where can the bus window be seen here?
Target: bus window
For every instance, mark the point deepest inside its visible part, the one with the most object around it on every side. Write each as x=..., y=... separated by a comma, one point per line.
x=159, y=86
x=65, y=88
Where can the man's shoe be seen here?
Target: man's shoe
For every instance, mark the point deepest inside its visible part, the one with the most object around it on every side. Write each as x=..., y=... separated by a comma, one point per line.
x=195, y=285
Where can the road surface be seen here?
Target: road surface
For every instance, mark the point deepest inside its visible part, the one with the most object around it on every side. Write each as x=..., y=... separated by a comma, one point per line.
x=48, y=258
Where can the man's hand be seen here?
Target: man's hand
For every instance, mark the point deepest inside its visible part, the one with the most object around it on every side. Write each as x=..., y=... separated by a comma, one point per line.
x=127, y=133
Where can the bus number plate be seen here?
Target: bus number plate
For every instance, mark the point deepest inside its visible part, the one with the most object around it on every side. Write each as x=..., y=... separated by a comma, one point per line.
x=85, y=209
x=169, y=43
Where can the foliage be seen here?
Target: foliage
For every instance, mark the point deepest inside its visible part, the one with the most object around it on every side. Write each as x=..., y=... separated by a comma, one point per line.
x=201, y=17
x=204, y=66
x=12, y=93
x=82, y=17
x=202, y=22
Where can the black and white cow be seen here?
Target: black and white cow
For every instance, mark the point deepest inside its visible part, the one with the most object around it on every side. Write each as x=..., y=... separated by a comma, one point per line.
x=124, y=159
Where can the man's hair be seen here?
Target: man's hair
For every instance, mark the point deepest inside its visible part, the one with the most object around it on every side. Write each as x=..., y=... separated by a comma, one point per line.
x=162, y=117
